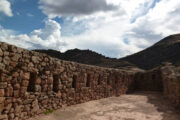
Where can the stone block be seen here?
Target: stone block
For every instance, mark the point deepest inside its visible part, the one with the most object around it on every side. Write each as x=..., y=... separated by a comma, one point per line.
x=15, y=58
x=25, y=83
x=3, y=117
x=23, y=90
x=26, y=76
x=37, y=88
x=17, y=86
x=18, y=109
x=8, y=91
x=16, y=93
x=35, y=59
x=2, y=93
x=38, y=81
x=1, y=108
x=15, y=74
x=11, y=116
x=6, y=53
x=7, y=106
x=1, y=52
x=2, y=99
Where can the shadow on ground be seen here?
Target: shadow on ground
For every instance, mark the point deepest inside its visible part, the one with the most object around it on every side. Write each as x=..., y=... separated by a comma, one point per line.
x=169, y=112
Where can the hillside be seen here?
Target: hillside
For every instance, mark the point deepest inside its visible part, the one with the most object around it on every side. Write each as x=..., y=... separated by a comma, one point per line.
x=86, y=57
x=166, y=50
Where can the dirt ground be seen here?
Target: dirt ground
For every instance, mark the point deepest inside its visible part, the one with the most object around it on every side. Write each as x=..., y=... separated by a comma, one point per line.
x=137, y=106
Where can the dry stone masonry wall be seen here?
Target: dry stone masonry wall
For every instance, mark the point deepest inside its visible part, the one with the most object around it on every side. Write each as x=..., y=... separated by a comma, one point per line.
x=171, y=84
x=32, y=83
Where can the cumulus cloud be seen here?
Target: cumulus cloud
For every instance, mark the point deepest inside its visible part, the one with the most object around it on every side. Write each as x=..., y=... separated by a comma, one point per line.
x=118, y=35
x=5, y=8
x=48, y=37
x=54, y=8
x=134, y=26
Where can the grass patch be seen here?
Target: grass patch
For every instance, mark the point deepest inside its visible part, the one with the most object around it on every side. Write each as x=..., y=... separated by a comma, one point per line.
x=48, y=112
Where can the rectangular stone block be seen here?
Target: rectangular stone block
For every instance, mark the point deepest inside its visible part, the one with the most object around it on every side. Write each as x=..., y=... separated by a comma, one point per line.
x=3, y=85
x=2, y=100
x=1, y=92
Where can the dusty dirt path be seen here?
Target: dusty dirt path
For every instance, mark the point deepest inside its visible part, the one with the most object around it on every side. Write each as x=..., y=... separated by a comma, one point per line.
x=138, y=106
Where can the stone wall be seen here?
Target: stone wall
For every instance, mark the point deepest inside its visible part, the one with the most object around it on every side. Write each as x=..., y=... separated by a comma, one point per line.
x=32, y=83
x=165, y=79
x=171, y=84
x=149, y=80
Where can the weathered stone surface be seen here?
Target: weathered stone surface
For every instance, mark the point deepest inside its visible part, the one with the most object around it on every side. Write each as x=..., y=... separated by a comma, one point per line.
x=26, y=76
x=16, y=93
x=35, y=59
x=11, y=116
x=9, y=92
x=7, y=106
x=15, y=58
x=25, y=83
x=3, y=117
x=2, y=93
x=16, y=86
x=1, y=52
x=37, y=88
x=2, y=66
x=18, y=109
x=32, y=83
x=1, y=108
x=2, y=99
x=38, y=81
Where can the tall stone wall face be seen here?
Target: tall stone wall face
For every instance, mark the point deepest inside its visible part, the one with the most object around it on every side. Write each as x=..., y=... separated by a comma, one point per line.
x=149, y=80
x=32, y=83
x=171, y=84
x=165, y=79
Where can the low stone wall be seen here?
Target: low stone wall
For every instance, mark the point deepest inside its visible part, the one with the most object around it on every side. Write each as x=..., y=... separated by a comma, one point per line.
x=32, y=83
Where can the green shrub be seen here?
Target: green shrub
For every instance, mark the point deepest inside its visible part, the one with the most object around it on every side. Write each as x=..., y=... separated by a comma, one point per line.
x=48, y=112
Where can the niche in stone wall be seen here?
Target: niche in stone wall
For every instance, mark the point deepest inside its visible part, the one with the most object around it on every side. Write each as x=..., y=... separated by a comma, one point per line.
x=99, y=80
x=74, y=82
x=31, y=85
x=0, y=75
x=88, y=84
x=55, y=83
x=108, y=80
x=153, y=76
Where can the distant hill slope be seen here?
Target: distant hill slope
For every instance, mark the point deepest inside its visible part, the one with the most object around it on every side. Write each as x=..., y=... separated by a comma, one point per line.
x=166, y=50
x=86, y=57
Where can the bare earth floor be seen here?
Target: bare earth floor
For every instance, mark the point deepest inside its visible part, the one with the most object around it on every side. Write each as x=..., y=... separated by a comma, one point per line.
x=137, y=106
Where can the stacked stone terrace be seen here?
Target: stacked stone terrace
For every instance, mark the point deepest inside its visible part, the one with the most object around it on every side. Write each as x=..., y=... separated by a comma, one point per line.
x=32, y=83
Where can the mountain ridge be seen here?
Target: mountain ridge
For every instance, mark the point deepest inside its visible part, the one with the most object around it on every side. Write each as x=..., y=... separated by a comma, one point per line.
x=166, y=50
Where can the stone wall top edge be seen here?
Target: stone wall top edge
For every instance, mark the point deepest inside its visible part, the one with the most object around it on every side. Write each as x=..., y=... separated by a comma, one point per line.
x=4, y=45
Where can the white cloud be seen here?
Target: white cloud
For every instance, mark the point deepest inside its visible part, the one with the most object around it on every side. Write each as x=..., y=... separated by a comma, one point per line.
x=114, y=32
x=5, y=7
x=135, y=25
x=30, y=15
x=48, y=37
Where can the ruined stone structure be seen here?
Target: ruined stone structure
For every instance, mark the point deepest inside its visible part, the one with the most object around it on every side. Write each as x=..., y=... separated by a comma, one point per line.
x=32, y=83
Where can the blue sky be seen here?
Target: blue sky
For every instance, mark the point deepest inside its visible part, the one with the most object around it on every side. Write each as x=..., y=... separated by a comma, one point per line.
x=26, y=16
x=114, y=28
